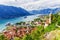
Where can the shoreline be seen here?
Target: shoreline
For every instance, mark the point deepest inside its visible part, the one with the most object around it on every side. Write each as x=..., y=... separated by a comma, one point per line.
x=21, y=19
x=16, y=20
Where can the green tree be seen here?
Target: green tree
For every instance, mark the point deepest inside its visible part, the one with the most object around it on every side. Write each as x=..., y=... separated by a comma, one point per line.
x=27, y=37
x=2, y=37
x=38, y=33
x=17, y=38
x=54, y=18
x=50, y=28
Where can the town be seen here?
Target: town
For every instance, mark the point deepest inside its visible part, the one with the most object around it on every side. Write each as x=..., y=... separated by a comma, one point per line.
x=27, y=28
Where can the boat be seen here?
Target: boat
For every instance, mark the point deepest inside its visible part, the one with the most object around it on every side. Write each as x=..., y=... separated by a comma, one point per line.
x=25, y=17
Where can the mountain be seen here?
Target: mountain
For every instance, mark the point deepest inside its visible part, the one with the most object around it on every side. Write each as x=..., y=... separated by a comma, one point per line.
x=45, y=11
x=7, y=12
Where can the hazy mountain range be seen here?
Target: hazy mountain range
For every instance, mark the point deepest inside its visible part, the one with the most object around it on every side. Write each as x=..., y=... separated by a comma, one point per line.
x=12, y=12
x=45, y=11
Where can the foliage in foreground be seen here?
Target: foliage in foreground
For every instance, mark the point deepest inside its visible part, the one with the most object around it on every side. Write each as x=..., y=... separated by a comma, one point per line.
x=2, y=37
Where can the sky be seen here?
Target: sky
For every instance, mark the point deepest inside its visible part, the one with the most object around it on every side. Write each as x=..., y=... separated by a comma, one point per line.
x=32, y=4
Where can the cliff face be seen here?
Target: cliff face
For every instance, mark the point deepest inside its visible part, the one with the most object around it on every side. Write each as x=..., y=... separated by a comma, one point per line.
x=12, y=12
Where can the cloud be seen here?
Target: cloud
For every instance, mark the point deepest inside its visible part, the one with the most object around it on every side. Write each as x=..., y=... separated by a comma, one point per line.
x=32, y=4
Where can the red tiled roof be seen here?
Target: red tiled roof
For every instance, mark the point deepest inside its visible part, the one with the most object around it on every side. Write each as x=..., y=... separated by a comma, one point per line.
x=20, y=32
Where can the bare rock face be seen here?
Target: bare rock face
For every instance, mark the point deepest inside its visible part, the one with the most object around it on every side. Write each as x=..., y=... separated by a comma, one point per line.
x=53, y=35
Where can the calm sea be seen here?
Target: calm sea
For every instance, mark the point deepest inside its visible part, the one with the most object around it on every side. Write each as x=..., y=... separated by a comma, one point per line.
x=3, y=22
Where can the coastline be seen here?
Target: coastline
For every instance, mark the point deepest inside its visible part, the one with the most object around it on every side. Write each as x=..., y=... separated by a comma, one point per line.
x=15, y=20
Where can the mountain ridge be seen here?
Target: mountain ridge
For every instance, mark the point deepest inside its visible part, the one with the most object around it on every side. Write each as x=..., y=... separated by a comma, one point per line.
x=7, y=12
x=45, y=11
